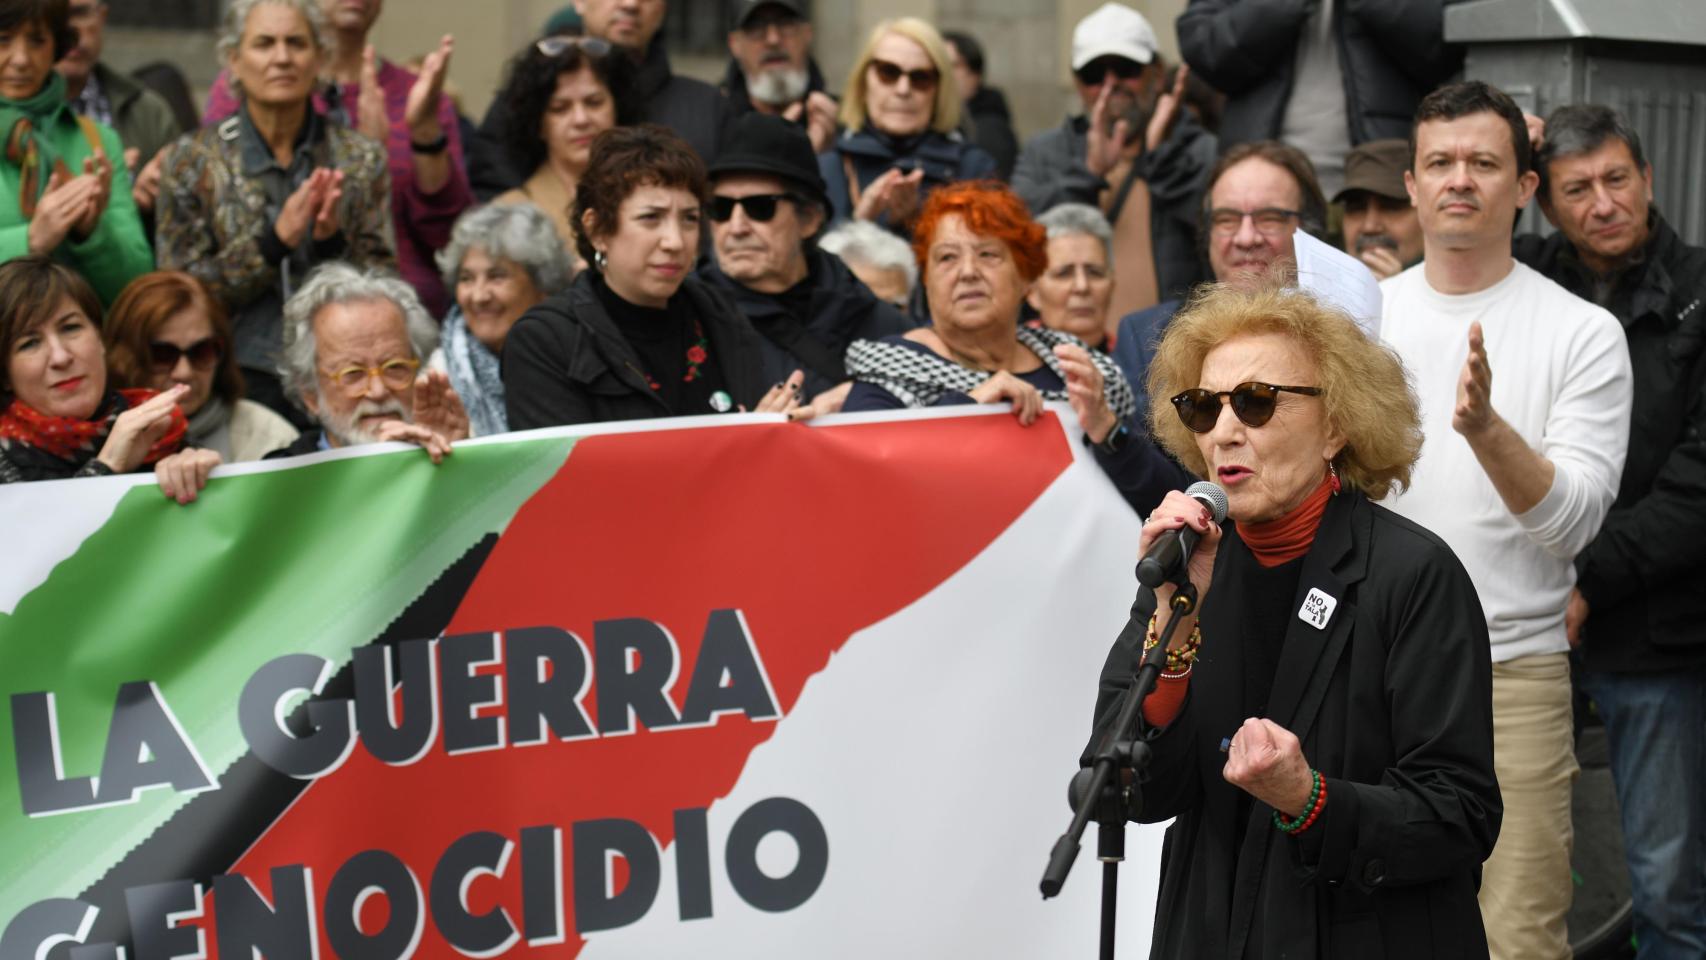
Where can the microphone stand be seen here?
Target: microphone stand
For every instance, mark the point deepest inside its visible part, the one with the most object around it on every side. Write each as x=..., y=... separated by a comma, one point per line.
x=1103, y=790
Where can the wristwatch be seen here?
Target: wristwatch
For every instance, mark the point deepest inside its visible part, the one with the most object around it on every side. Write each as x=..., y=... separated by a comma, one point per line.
x=1116, y=440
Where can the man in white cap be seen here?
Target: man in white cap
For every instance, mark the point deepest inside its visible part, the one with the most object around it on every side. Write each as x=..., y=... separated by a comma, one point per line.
x=1133, y=153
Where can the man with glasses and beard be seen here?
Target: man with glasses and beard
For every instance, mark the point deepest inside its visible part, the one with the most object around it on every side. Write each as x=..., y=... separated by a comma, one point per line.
x=353, y=343
x=771, y=69
x=767, y=208
x=1133, y=153
x=1525, y=395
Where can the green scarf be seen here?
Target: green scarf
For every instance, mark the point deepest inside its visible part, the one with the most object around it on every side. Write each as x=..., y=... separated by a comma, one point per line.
x=20, y=120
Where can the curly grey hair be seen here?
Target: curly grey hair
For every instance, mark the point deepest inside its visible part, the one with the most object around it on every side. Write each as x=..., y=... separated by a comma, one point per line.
x=237, y=20
x=870, y=244
x=340, y=283
x=518, y=232
x=1079, y=220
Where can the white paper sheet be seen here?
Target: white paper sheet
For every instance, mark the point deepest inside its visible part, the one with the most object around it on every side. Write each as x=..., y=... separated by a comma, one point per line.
x=1337, y=278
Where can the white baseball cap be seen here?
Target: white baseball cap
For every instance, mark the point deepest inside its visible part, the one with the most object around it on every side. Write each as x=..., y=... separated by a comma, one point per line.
x=1113, y=30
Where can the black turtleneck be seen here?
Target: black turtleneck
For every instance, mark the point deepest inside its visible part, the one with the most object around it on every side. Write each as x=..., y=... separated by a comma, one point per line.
x=661, y=338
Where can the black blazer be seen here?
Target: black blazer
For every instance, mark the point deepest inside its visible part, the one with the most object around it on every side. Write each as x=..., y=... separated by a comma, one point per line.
x=1392, y=700
x=565, y=361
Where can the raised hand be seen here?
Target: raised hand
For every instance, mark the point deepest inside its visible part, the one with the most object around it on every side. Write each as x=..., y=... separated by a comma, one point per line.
x=370, y=118
x=420, y=111
x=1085, y=390
x=1167, y=107
x=61, y=207
x=438, y=407
x=397, y=431
x=1102, y=147
x=145, y=189
x=1383, y=262
x=136, y=430
x=326, y=221
x=100, y=169
x=819, y=111
x=1474, y=411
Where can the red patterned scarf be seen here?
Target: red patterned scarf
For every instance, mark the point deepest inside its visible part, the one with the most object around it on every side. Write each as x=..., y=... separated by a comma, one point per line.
x=77, y=441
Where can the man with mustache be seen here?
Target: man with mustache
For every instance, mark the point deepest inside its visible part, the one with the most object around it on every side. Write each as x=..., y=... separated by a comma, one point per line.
x=353, y=343
x=1381, y=228
x=1525, y=397
x=771, y=68
x=1637, y=616
x=767, y=207
x=1134, y=153
x=1259, y=195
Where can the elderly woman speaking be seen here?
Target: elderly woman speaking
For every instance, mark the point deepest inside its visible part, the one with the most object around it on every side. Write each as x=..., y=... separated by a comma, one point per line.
x=980, y=253
x=1331, y=771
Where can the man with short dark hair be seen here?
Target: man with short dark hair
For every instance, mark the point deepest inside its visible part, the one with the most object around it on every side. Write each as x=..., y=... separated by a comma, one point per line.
x=767, y=207
x=987, y=114
x=1637, y=616
x=771, y=68
x=1525, y=398
x=1134, y=153
x=1381, y=227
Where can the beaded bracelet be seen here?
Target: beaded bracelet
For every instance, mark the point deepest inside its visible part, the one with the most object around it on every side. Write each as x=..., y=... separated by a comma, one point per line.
x=1311, y=809
x=1180, y=659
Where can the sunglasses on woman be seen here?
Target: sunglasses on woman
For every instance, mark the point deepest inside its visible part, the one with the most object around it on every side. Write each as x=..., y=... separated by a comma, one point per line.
x=554, y=46
x=1252, y=402
x=202, y=354
x=888, y=74
x=759, y=207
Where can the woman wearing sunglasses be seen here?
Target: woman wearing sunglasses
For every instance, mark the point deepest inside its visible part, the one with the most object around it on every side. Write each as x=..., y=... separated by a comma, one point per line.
x=61, y=416
x=901, y=112
x=1331, y=770
x=980, y=253
x=637, y=336
x=167, y=331
x=562, y=92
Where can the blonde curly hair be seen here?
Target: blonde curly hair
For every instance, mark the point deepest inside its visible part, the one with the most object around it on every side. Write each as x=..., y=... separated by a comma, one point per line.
x=1365, y=390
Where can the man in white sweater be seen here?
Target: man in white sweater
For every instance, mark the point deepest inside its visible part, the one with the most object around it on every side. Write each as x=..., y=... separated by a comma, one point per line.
x=1525, y=392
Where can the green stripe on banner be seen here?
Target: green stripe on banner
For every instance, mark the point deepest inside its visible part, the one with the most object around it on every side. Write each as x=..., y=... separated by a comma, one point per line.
x=337, y=564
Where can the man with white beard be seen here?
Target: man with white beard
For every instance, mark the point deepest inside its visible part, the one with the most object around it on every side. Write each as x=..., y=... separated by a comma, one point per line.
x=353, y=344
x=771, y=69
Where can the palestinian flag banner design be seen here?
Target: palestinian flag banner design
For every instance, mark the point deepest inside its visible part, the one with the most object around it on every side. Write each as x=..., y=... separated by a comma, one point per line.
x=722, y=686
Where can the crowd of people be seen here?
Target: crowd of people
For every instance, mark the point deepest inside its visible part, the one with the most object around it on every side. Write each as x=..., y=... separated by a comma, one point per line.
x=335, y=256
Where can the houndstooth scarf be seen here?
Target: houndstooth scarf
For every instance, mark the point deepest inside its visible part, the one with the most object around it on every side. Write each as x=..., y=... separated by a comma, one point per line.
x=920, y=379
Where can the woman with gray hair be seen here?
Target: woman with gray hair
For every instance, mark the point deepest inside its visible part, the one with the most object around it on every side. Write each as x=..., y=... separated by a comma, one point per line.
x=502, y=261
x=882, y=261
x=1073, y=293
x=250, y=205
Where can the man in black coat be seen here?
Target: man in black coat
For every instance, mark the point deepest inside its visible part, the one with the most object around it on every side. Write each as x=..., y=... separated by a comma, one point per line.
x=767, y=206
x=771, y=69
x=1637, y=617
x=1321, y=75
x=1133, y=153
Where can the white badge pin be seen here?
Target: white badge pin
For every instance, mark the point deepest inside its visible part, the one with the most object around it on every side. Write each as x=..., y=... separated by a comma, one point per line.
x=722, y=402
x=1317, y=609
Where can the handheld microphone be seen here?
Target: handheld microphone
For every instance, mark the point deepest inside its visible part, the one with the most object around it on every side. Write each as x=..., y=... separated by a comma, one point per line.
x=1171, y=551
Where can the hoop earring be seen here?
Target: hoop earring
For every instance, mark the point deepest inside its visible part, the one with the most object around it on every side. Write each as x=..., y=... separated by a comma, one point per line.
x=599, y=260
x=1333, y=477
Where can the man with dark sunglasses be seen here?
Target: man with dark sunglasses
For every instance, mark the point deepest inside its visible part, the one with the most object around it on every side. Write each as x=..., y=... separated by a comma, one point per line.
x=1525, y=397
x=1134, y=153
x=771, y=68
x=768, y=204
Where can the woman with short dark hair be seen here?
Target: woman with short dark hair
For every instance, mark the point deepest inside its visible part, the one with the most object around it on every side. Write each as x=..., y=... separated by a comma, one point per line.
x=166, y=330
x=637, y=335
x=59, y=416
x=63, y=193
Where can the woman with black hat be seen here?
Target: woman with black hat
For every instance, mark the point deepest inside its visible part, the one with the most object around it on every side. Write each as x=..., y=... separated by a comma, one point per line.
x=637, y=336
x=768, y=206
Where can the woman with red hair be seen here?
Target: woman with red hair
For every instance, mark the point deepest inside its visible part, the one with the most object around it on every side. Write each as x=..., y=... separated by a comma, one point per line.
x=167, y=329
x=979, y=252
